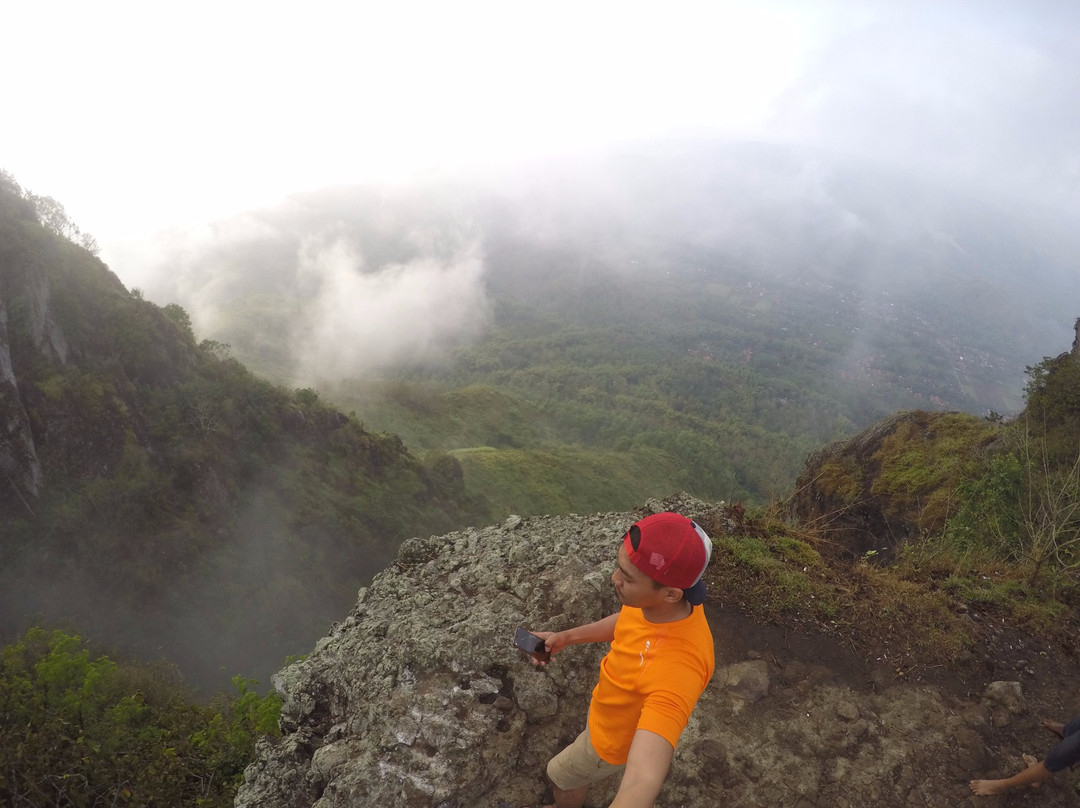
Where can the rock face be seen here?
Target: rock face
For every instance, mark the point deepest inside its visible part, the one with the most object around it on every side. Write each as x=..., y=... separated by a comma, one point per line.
x=893, y=481
x=19, y=462
x=418, y=698
x=28, y=306
x=834, y=489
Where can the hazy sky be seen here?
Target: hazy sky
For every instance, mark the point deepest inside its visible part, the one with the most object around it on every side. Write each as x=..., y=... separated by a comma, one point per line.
x=138, y=116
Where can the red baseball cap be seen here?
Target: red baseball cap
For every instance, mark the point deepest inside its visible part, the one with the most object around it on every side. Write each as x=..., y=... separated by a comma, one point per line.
x=672, y=550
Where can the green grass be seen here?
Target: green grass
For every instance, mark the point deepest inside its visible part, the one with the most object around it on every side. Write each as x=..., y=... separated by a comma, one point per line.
x=925, y=458
x=566, y=479
x=435, y=416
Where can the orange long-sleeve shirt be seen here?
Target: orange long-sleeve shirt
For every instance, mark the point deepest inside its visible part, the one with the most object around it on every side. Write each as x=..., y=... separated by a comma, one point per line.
x=650, y=679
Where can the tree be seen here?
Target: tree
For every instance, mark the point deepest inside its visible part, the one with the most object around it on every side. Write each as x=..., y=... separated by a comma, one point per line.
x=1049, y=507
x=176, y=313
x=52, y=215
x=77, y=730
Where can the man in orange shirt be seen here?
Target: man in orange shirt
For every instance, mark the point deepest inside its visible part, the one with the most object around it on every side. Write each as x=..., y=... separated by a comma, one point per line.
x=660, y=660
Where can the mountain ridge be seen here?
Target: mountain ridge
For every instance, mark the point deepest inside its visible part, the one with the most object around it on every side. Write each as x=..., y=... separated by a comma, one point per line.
x=152, y=484
x=762, y=301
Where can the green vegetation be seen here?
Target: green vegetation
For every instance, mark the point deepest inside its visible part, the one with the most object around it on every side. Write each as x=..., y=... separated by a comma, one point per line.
x=1023, y=510
x=778, y=571
x=997, y=506
x=728, y=373
x=612, y=335
x=920, y=466
x=435, y=415
x=1012, y=535
x=77, y=730
x=565, y=480
x=728, y=431
x=172, y=484
x=910, y=614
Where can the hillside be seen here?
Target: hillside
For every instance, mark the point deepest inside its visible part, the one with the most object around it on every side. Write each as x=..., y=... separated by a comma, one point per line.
x=158, y=496
x=727, y=308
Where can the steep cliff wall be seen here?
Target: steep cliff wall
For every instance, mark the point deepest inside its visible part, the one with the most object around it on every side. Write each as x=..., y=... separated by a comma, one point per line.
x=417, y=698
x=25, y=301
x=52, y=298
x=19, y=462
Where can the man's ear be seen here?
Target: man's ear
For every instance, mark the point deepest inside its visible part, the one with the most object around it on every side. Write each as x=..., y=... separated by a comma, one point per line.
x=672, y=594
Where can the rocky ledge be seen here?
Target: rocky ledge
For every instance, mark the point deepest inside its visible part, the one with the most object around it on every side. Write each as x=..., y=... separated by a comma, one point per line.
x=418, y=698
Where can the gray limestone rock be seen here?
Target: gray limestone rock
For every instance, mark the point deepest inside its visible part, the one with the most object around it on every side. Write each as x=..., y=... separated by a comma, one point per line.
x=419, y=699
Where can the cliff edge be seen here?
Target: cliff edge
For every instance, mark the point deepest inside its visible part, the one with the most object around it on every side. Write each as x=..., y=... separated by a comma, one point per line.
x=418, y=698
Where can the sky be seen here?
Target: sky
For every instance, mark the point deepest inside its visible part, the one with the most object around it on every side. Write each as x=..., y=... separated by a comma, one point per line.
x=137, y=115
x=140, y=116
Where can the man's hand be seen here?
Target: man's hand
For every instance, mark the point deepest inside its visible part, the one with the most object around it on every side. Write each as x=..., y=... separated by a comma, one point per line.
x=600, y=631
x=554, y=641
x=646, y=769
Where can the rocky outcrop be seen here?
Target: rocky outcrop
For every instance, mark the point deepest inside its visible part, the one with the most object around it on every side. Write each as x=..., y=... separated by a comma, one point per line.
x=834, y=492
x=19, y=463
x=23, y=285
x=418, y=698
x=892, y=482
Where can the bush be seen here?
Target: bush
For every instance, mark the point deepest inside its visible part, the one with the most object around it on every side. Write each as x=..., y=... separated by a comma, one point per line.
x=78, y=731
x=1025, y=509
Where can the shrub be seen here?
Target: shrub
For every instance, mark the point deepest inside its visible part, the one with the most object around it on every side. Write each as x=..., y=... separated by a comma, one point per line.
x=76, y=730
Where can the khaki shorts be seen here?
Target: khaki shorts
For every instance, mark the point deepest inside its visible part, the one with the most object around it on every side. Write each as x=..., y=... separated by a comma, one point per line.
x=578, y=765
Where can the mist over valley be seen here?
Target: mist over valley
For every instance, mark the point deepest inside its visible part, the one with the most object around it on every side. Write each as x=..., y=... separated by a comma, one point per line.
x=783, y=297
x=573, y=336
x=336, y=341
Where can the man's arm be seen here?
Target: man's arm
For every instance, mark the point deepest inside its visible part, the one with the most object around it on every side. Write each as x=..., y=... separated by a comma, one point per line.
x=646, y=769
x=600, y=631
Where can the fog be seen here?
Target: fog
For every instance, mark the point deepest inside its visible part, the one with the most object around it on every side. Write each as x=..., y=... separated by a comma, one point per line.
x=253, y=601
x=339, y=190
x=354, y=280
x=345, y=315
x=895, y=130
x=976, y=94
x=399, y=313
x=973, y=94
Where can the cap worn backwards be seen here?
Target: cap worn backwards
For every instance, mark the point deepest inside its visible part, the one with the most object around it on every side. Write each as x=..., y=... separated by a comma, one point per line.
x=672, y=550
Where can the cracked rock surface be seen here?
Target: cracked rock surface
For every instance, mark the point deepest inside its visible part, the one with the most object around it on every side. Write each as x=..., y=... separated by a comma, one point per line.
x=418, y=697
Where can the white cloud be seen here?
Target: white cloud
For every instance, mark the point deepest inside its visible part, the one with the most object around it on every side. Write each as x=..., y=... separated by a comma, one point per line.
x=139, y=116
x=364, y=319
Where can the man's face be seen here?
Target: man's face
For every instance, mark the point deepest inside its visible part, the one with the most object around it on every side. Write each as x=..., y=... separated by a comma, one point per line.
x=633, y=586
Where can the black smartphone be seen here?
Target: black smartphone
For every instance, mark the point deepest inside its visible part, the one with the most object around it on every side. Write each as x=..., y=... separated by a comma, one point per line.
x=531, y=644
